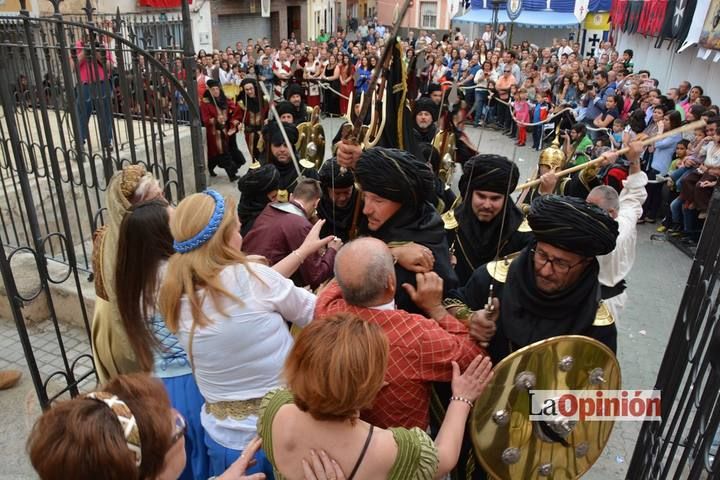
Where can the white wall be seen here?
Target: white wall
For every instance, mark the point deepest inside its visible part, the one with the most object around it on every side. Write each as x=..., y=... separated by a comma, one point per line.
x=538, y=36
x=201, y=25
x=671, y=68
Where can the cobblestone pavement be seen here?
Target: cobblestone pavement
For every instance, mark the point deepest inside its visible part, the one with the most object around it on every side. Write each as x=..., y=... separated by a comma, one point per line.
x=655, y=287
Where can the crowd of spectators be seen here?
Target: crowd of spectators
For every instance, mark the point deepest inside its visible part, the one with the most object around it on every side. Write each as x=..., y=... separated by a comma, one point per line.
x=596, y=101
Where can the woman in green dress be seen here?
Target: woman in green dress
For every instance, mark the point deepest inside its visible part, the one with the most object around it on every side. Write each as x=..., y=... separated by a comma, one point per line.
x=334, y=371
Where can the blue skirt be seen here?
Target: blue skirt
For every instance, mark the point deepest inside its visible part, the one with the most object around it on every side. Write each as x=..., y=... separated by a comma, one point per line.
x=221, y=458
x=186, y=398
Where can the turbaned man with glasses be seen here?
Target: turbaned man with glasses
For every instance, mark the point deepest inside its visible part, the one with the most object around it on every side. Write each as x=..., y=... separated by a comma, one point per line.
x=551, y=288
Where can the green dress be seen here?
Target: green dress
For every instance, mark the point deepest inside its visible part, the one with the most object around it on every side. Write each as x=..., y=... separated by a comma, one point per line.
x=417, y=457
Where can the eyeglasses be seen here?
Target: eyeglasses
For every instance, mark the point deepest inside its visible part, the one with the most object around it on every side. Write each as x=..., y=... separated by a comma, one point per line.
x=179, y=428
x=558, y=265
x=508, y=71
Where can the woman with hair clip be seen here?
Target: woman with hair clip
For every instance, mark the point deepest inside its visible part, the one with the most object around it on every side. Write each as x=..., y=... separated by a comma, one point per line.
x=144, y=246
x=127, y=430
x=112, y=353
x=229, y=315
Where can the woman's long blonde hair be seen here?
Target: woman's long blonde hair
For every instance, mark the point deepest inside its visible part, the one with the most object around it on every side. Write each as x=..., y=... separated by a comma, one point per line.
x=199, y=268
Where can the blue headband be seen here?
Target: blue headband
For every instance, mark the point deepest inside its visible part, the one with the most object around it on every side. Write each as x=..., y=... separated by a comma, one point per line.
x=206, y=233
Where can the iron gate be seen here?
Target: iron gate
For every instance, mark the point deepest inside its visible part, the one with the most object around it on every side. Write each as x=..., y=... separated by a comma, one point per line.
x=684, y=443
x=80, y=100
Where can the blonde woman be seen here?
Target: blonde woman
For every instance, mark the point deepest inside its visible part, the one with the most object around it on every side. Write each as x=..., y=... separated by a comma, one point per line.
x=230, y=316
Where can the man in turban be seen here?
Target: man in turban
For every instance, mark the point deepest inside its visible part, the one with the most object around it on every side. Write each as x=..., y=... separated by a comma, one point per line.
x=220, y=128
x=251, y=114
x=487, y=219
x=435, y=94
x=286, y=111
x=294, y=95
x=398, y=194
x=258, y=187
x=337, y=205
x=279, y=154
x=425, y=115
x=552, y=287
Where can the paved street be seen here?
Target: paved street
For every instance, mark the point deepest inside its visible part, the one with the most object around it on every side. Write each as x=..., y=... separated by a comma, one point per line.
x=655, y=287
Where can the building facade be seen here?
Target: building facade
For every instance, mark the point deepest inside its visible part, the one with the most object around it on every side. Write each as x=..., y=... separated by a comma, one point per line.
x=429, y=15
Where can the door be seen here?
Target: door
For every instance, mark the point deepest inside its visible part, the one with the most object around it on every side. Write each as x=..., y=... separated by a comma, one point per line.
x=238, y=28
x=293, y=15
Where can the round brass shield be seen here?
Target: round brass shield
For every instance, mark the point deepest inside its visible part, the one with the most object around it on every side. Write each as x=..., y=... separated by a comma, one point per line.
x=508, y=444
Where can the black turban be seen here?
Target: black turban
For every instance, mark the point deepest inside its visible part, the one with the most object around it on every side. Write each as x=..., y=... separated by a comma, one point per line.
x=490, y=173
x=395, y=175
x=424, y=104
x=285, y=107
x=332, y=176
x=260, y=180
x=272, y=131
x=573, y=224
x=293, y=89
x=212, y=83
x=433, y=87
x=251, y=81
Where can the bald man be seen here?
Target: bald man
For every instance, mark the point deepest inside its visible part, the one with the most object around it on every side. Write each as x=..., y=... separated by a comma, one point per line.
x=421, y=349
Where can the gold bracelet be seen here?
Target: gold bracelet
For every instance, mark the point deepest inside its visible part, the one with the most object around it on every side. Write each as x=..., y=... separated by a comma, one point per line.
x=461, y=399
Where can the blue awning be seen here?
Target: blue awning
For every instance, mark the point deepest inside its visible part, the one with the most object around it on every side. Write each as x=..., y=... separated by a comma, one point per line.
x=555, y=5
x=527, y=18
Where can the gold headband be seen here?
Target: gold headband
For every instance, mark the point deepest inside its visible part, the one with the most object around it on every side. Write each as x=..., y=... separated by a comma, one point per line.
x=126, y=419
x=130, y=179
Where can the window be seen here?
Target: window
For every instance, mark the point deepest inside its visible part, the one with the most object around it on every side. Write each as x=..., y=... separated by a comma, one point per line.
x=428, y=14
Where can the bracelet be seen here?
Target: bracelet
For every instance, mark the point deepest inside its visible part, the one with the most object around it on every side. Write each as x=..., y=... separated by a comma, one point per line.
x=298, y=256
x=461, y=399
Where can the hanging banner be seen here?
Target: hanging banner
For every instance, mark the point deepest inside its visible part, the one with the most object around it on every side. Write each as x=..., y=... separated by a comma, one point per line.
x=652, y=17
x=581, y=9
x=265, y=8
x=596, y=30
x=710, y=36
x=696, y=26
x=514, y=8
x=678, y=16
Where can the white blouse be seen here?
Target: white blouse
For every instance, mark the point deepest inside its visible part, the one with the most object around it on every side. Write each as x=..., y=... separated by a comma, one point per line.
x=240, y=355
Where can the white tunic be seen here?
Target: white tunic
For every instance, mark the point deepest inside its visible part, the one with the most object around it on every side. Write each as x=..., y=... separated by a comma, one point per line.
x=240, y=355
x=615, y=266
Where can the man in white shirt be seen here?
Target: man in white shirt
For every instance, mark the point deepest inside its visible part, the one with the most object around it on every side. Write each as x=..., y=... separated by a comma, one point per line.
x=487, y=37
x=564, y=47
x=626, y=210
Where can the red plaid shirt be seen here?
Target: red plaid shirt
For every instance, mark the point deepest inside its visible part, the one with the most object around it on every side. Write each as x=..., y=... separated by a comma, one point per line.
x=420, y=352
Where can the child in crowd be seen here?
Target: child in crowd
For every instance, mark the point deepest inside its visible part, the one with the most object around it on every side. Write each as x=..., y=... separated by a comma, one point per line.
x=628, y=60
x=540, y=113
x=529, y=87
x=522, y=114
x=671, y=190
x=511, y=124
x=618, y=127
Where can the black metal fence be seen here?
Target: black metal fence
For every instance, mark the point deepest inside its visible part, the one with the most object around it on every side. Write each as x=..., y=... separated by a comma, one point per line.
x=684, y=444
x=81, y=98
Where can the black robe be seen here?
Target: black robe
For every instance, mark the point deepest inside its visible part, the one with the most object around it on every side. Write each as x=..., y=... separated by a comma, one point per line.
x=338, y=221
x=528, y=315
x=249, y=208
x=424, y=227
x=289, y=176
x=476, y=243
